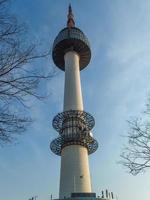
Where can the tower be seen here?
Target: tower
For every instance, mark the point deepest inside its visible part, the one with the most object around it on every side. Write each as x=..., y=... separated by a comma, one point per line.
x=71, y=53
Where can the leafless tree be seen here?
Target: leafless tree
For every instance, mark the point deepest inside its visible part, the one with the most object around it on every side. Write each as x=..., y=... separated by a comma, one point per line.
x=136, y=156
x=18, y=79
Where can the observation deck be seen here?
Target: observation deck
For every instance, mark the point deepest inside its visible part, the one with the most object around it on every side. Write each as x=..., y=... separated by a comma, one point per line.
x=71, y=38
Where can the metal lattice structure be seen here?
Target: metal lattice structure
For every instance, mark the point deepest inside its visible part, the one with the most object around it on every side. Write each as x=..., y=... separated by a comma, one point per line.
x=74, y=127
x=73, y=118
x=59, y=143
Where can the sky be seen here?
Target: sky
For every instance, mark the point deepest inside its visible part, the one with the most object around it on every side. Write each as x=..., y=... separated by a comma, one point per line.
x=115, y=88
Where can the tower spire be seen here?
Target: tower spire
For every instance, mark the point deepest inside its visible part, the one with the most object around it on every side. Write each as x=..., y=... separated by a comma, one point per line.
x=70, y=21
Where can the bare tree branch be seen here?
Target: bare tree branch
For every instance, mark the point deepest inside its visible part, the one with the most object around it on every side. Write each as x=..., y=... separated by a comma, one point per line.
x=136, y=156
x=18, y=79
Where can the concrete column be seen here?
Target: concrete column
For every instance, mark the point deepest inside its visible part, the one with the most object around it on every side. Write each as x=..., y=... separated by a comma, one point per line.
x=72, y=94
x=75, y=174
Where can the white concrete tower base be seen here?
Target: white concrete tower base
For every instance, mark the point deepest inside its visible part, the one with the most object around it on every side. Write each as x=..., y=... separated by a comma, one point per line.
x=75, y=174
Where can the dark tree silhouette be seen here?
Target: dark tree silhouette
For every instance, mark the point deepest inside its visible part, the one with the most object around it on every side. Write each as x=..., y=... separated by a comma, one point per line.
x=136, y=156
x=18, y=79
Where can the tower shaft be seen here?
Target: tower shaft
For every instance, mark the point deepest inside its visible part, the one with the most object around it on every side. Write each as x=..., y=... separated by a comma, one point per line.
x=75, y=174
x=72, y=93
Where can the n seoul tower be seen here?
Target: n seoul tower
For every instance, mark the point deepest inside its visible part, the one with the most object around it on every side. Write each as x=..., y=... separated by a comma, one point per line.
x=71, y=53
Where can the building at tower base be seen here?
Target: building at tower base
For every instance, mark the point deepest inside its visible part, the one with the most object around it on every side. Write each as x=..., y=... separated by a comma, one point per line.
x=91, y=196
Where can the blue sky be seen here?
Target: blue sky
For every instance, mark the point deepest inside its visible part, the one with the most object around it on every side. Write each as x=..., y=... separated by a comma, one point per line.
x=115, y=87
